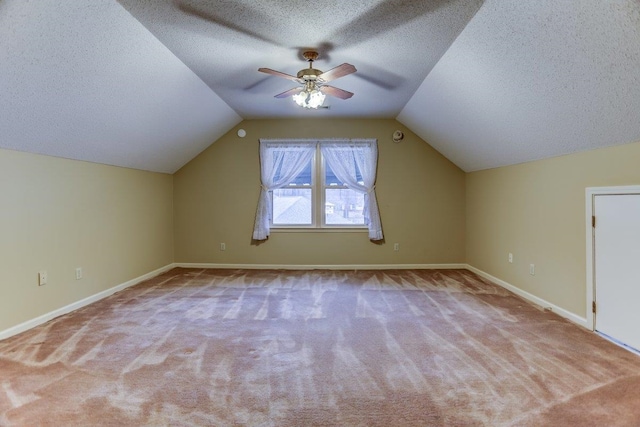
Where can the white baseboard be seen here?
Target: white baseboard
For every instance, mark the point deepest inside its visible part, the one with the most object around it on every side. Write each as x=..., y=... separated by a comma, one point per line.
x=79, y=304
x=530, y=297
x=323, y=267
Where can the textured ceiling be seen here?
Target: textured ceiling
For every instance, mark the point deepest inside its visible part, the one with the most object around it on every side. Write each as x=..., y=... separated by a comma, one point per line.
x=533, y=79
x=149, y=84
x=393, y=44
x=84, y=80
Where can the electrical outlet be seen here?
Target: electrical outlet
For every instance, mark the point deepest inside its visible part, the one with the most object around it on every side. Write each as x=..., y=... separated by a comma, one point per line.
x=78, y=273
x=223, y=247
x=510, y=258
x=396, y=247
x=42, y=278
x=532, y=269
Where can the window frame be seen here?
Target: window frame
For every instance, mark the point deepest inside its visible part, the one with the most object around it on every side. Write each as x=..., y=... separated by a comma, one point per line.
x=318, y=204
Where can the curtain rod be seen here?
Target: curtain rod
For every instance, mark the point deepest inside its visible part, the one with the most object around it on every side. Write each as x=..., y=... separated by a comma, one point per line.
x=318, y=140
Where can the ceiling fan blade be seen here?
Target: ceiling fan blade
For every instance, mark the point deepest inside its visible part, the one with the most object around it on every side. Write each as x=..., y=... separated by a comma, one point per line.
x=227, y=22
x=337, y=72
x=334, y=91
x=378, y=76
x=386, y=16
x=279, y=74
x=289, y=92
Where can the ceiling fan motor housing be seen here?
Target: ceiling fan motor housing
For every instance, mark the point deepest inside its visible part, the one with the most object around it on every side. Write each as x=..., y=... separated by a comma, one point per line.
x=309, y=74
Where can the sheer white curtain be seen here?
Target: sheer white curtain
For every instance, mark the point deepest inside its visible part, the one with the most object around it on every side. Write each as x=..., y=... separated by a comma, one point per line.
x=280, y=163
x=342, y=158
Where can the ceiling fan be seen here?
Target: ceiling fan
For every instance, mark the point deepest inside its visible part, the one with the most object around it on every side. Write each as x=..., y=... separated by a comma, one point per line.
x=314, y=88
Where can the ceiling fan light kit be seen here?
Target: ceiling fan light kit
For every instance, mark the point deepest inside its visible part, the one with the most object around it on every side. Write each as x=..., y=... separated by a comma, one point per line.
x=314, y=88
x=310, y=97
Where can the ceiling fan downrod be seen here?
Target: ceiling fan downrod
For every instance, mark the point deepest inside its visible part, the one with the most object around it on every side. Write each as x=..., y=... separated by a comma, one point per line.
x=309, y=74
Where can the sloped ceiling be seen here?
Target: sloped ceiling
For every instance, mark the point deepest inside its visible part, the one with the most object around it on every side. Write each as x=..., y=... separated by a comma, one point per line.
x=84, y=80
x=533, y=79
x=148, y=84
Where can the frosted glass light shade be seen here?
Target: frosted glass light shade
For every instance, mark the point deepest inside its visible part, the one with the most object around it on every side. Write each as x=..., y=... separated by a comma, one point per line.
x=313, y=99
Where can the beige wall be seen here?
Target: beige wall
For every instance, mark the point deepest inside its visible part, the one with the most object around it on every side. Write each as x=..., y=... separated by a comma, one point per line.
x=59, y=214
x=536, y=211
x=118, y=224
x=421, y=197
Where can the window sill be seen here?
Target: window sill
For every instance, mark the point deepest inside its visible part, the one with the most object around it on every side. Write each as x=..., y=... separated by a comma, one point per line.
x=319, y=230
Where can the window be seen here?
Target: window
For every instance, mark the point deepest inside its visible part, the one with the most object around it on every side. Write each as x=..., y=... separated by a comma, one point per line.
x=317, y=184
x=317, y=198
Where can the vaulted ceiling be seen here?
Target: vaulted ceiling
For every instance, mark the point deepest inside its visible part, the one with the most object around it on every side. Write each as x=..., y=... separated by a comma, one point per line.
x=148, y=84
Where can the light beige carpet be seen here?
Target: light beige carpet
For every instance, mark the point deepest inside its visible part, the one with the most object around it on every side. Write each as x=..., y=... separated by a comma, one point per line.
x=198, y=347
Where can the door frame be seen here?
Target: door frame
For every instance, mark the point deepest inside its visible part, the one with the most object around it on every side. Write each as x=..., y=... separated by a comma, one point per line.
x=590, y=194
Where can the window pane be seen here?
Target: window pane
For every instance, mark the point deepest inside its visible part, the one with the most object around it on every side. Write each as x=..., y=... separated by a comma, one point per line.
x=343, y=207
x=292, y=206
x=303, y=178
x=331, y=179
